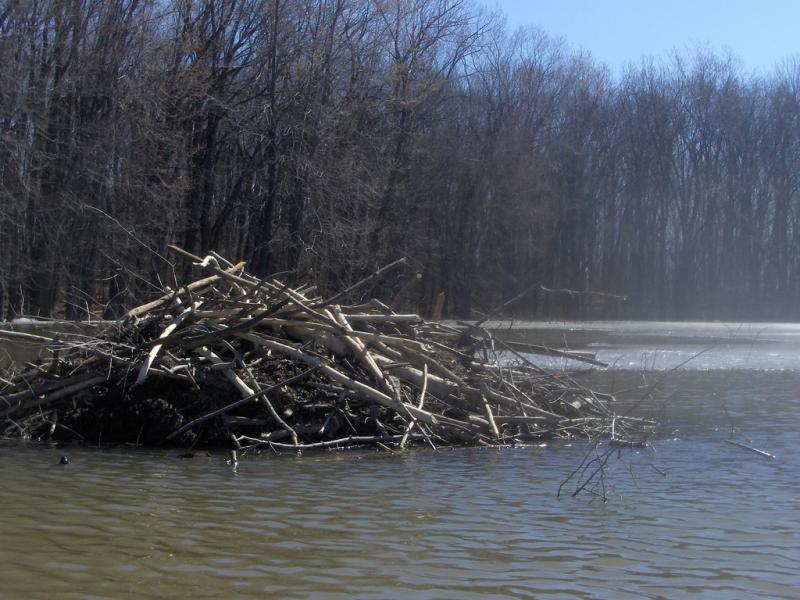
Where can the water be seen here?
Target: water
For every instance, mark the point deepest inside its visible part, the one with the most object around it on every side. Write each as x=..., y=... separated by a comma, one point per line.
x=722, y=523
x=660, y=346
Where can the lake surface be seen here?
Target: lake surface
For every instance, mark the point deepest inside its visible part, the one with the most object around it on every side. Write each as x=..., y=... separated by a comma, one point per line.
x=693, y=516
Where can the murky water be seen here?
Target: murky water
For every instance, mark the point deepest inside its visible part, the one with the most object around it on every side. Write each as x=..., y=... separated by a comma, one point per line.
x=722, y=523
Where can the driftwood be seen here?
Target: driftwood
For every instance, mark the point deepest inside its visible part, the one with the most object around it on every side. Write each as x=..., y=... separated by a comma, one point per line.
x=231, y=358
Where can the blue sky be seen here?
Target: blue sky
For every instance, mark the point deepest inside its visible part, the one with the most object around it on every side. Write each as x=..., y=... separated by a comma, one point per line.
x=759, y=32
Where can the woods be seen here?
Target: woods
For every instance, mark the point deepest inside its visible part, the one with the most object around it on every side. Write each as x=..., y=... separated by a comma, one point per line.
x=331, y=137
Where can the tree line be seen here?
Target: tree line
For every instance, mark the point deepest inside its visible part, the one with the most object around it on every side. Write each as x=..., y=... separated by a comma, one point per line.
x=329, y=137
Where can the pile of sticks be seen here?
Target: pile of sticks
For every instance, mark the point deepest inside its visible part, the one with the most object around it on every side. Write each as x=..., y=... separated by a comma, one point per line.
x=231, y=359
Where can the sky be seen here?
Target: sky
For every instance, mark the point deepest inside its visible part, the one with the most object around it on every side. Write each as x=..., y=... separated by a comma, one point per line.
x=758, y=32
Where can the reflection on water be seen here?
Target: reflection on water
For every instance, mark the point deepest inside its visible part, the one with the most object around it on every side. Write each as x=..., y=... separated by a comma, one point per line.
x=653, y=346
x=723, y=523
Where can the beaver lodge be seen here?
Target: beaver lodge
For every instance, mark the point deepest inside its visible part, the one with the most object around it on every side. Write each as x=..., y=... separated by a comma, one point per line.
x=234, y=360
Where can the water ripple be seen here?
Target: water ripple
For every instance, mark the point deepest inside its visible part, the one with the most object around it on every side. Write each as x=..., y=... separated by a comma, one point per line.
x=454, y=524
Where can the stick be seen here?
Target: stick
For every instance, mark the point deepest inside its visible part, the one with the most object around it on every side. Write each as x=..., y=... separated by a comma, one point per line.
x=443, y=387
x=507, y=303
x=67, y=391
x=273, y=413
x=369, y=318
x=586, y=357
x=362, y=283
x=45, y=388
x=151, y=356
x=490, y=417
x=139, y=310
x=349, y=382
x=239, y=403
x=746, y=447
x=421, y=401
x=27, y=337
x=351, y=440
x=359, y=349
x=240, y=385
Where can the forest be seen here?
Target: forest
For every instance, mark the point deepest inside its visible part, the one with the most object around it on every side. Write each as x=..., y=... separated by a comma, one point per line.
x=322, y=139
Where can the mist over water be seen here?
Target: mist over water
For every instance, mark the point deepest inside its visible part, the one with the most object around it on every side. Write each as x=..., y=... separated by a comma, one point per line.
x=722, y=523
